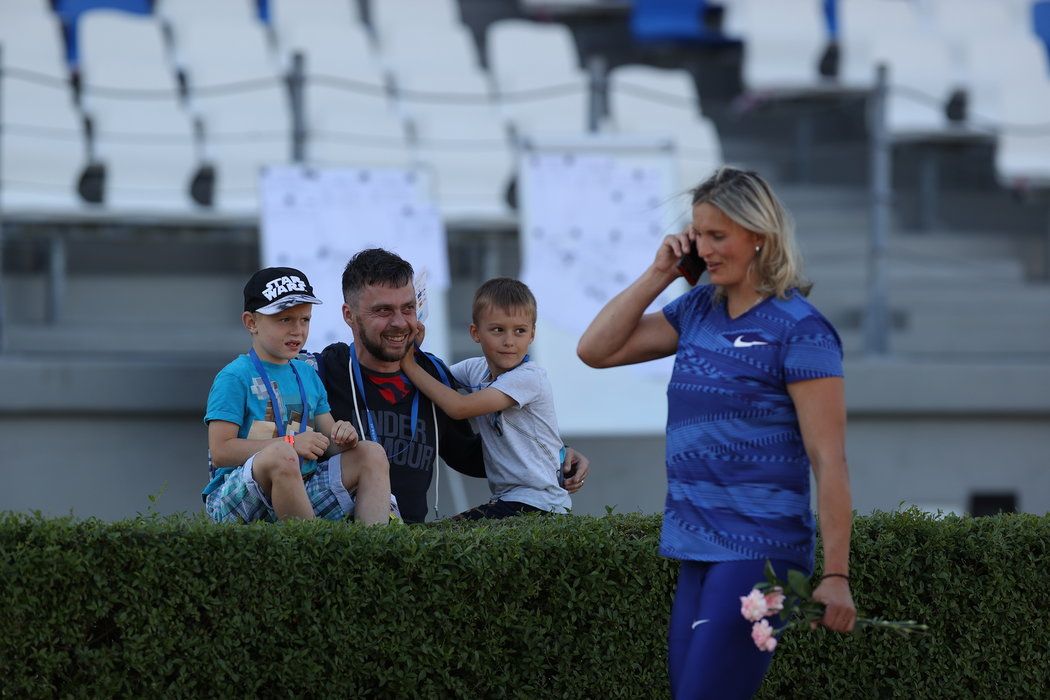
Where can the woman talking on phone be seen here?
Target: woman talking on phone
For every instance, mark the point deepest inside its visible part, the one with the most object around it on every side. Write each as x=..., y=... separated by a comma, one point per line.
x=755, y=401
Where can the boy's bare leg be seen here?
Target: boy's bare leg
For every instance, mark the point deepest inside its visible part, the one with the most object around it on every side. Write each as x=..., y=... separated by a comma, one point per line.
x=366, y=468
x=276, y=470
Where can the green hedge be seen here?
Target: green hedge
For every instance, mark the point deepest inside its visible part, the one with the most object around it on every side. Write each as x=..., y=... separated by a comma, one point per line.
x=570, y=607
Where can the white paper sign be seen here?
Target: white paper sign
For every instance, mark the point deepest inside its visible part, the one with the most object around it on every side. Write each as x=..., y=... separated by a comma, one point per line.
x=591, y=223
x=317, y=219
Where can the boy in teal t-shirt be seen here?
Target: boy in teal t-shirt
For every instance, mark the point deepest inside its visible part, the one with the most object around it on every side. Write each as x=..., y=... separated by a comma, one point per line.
x=269, y=423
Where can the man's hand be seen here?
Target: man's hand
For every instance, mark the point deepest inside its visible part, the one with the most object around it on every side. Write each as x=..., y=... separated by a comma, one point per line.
x=311, y=444
x=582, y=465
x=344, y=434
x=839, y=612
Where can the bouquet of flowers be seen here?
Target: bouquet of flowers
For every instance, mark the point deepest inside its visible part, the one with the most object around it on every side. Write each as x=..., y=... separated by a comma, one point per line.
x=792, y=602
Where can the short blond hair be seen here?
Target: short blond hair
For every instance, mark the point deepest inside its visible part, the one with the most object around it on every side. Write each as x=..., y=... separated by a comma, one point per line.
x=504, y=293
x=748, y=200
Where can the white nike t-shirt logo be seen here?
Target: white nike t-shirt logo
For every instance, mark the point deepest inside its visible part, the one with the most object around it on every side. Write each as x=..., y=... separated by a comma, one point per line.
x=741, y=343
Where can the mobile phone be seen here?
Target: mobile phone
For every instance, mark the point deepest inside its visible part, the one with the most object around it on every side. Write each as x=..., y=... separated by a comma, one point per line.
x=691, y=265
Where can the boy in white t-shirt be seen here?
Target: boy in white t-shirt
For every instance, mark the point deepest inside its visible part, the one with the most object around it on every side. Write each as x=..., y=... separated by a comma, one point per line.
x=510, y=403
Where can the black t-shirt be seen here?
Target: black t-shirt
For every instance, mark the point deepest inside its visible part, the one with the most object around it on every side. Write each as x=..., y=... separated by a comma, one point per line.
x=409, y=448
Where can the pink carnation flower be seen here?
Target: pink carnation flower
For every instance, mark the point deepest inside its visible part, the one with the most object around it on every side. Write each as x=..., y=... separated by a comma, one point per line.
x=774, y=601
x=762, y=634
x=753, y=605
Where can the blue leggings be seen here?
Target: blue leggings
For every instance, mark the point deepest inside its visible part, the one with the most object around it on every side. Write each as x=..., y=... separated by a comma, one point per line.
x=716, y=658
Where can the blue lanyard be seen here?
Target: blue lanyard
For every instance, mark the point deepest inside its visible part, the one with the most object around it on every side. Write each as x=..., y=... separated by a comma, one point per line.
x=277, y=417
x=373, y=433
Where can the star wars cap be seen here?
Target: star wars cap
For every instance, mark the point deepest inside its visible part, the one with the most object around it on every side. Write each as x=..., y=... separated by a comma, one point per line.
x=274, y=289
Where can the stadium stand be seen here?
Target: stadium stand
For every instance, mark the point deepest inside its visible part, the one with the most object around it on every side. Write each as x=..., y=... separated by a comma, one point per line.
x=390, y=16
x=350, y=118
x=663, y=102
x=669, y=20
x=42, y=143
x=145, y=143
x=774, y=60
x=242, y=100
x=287, y=16
x=538, y=61
x=458, y=130
x=1040, y=19
x=186, y=16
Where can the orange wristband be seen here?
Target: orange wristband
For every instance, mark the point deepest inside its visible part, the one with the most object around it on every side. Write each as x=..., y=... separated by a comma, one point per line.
x=289, y=438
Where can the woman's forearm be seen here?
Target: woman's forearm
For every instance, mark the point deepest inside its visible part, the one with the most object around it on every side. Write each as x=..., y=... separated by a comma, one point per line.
x=617, y=321
x=835, y=510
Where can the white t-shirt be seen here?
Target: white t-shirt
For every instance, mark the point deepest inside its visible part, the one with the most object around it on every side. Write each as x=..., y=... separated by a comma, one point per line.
x=521, y=444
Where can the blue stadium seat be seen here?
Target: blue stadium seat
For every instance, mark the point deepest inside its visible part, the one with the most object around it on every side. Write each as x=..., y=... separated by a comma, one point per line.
x=669, y=20
x=831, y=16
x=1041, y=22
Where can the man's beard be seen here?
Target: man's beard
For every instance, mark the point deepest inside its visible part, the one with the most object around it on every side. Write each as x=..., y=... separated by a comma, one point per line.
x=374, y=346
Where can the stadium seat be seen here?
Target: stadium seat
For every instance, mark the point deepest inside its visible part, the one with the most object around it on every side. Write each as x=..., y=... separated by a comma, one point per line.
x=862, y=22
x=963, y=20
x=285, y=15
x=242, y=100
x=145, y=143
x=354, y=124
x=1040, y=19
x=42, y=146
x=434, y=50
x=386, y=16
x=14, y=11
x=465, y=144
x=668, y=20
x=922, y=78
x=997, y=64
x=461, y=138
x=663, y=102
x=538, y=79
x=1022, y=157
x=184, y=16
x=776, y=58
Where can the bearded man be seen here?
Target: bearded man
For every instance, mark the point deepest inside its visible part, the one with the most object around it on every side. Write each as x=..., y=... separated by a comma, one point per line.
x=365, y=385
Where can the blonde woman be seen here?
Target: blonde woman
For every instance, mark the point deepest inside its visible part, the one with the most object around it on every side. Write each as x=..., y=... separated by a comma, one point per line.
x=755, y=401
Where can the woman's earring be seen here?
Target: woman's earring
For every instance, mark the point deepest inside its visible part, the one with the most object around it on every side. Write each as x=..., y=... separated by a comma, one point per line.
x=758, y=249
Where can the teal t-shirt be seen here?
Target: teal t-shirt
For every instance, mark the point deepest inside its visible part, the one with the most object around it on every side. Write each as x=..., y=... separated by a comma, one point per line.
x=238, y=395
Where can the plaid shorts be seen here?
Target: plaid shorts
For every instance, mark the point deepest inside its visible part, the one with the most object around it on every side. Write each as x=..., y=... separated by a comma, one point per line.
x=240, y=500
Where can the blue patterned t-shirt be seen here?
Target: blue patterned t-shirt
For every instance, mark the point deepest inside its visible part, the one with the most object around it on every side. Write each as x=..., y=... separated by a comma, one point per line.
x=737, y=471
x=238, y=395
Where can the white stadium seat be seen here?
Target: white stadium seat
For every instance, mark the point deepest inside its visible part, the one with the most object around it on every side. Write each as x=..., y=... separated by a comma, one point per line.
x=244, y=129
x=146, y=144
x=185, y=16
x=783, y=43
x=526, y=59
x=42, y=146
x=671, y=109
x=464, y=143
x=389, y=15
x=287, y=15
x=346, y=124
x=862, y=22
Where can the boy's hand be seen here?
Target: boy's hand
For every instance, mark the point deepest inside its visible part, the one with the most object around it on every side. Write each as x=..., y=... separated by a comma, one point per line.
x=417, y=339
x=311, y=444
x=577, y=465
x=344, y=434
